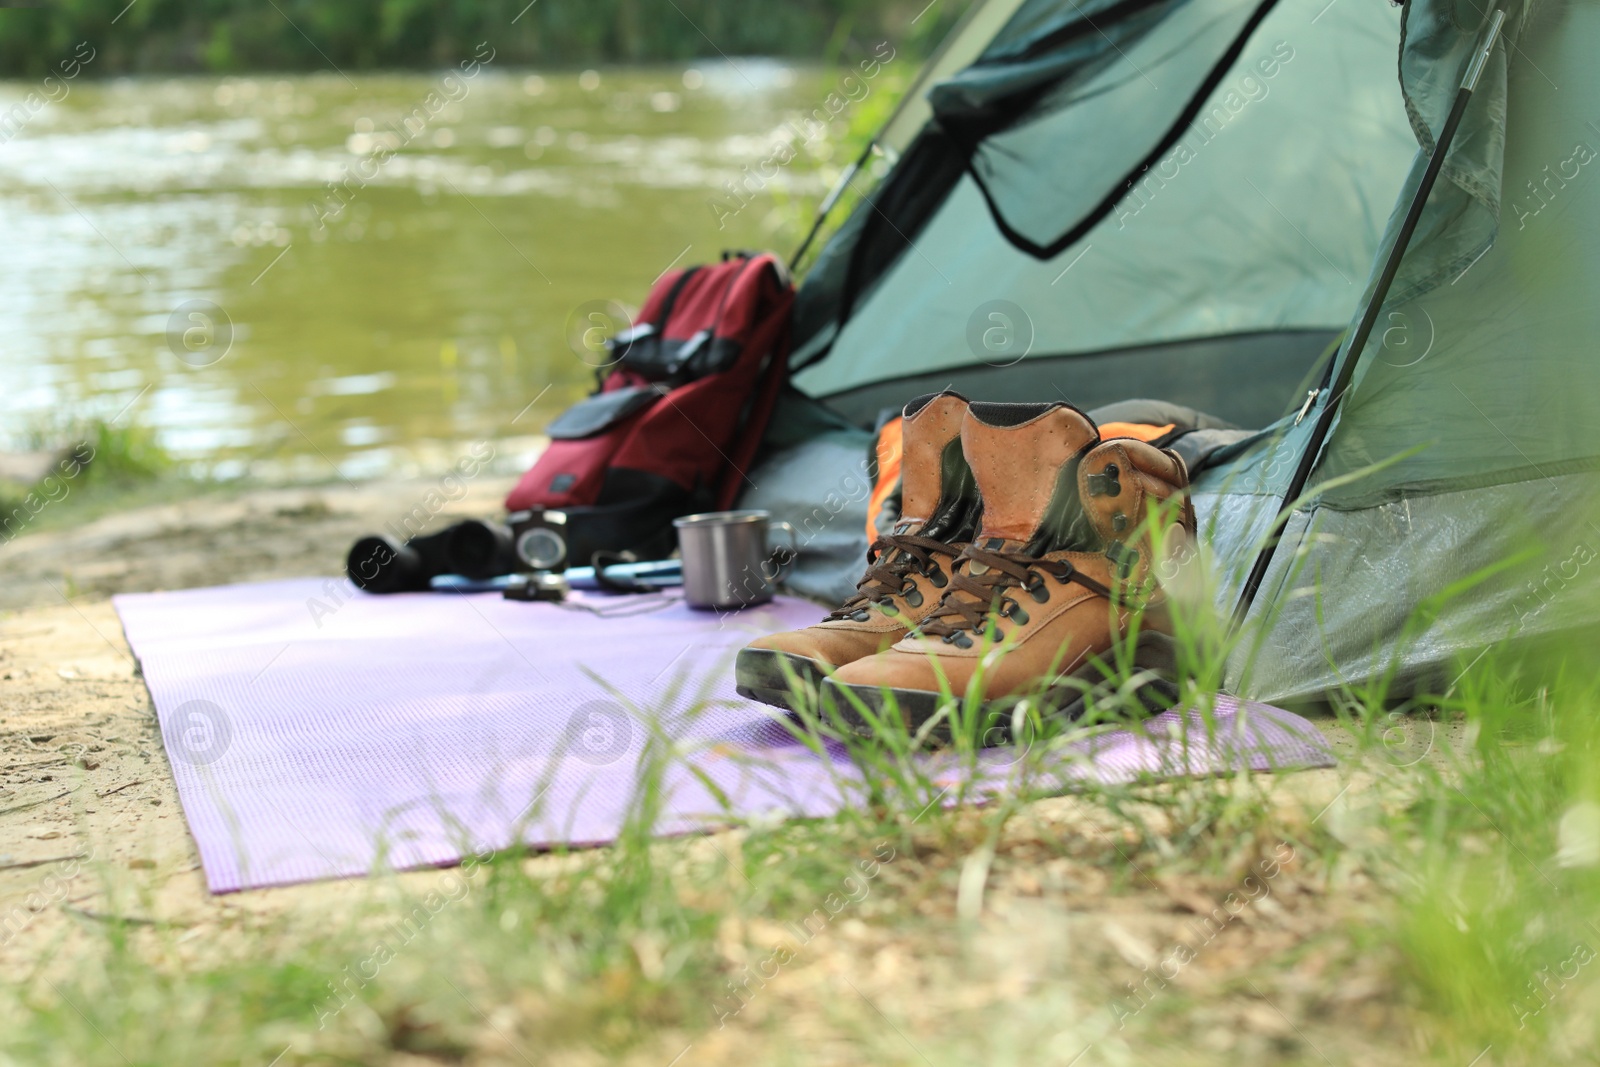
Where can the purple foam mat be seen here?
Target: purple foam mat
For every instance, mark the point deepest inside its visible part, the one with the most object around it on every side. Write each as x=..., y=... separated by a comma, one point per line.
x=318, y=732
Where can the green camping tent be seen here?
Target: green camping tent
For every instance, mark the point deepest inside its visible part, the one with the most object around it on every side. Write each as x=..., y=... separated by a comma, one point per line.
x=1186, y=199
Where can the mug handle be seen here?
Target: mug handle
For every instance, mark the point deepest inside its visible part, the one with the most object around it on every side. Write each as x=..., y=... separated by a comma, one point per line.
x=794, y=548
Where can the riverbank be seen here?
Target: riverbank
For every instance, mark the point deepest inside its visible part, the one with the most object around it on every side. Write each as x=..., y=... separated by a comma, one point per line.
x=226, y=536
x=1388, y=911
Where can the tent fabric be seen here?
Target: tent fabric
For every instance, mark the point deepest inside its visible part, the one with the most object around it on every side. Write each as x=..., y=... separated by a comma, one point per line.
x=976, y=29
x=1490, y=359
x=1456, y=493
x=1407, y=590
x=1262, y=220
x=1042, y=189
x=821, y=487
x=1246, y=379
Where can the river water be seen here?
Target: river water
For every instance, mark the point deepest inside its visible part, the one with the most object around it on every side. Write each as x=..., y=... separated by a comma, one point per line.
x=175, y=256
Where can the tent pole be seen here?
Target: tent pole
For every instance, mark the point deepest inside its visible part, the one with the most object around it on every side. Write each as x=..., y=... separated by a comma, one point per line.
x=1369, y=316
x=828, y=201
x=912, y=91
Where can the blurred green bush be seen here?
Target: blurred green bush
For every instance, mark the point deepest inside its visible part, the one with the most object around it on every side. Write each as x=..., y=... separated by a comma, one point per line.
x=239, y=35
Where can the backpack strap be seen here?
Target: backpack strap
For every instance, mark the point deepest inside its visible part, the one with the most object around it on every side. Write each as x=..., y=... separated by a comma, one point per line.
x=652, y=332
x=670, y=301
x=758, y=410
x=753, y=428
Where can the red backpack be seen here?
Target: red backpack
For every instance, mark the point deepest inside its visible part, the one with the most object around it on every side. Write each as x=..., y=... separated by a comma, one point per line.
x=674, y=424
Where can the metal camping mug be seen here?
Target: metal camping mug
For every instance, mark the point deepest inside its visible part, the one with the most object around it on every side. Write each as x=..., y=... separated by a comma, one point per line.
x=728, y=560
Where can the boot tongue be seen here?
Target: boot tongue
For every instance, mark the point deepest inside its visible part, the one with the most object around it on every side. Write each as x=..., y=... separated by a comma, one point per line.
x=1025, y=458
x=930, y=449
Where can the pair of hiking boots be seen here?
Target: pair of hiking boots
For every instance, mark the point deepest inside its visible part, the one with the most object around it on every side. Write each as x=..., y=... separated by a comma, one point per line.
x=1020, y=568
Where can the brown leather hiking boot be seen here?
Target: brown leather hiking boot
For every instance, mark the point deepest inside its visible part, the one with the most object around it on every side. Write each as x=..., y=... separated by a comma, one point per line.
x=1120, y=482
x=1035, y=603
x=907, y=569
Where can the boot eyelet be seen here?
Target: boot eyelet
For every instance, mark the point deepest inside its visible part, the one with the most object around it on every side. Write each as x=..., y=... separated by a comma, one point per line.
x=911, y=594
x=1124, y=557
x=1105, y=483
x=861, y=616
x=936, y=577
x=1013, y=611
x=1037, y=589
x=887, y=604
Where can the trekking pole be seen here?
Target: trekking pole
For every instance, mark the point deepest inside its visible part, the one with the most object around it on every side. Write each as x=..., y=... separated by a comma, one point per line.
x=1369, y=316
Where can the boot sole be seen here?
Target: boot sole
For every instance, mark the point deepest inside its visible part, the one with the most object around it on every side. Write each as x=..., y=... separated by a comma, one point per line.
x=758, y=675
x=1154, y=654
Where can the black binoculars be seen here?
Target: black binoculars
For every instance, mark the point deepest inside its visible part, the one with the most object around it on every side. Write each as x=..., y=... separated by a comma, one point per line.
x=472, y=549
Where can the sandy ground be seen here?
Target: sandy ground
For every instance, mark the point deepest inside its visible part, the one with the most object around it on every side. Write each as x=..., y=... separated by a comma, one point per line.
x=85, y=785
x=82, y=770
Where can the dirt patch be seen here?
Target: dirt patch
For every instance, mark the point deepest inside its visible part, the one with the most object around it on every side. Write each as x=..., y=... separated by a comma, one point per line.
x=84, y=780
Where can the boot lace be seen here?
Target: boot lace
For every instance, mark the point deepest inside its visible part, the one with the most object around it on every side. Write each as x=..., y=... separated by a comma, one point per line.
x=891, y=559
x=973, y=598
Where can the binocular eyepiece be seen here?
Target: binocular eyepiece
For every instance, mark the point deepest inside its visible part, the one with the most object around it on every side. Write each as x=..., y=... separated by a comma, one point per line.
x=472, y=548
